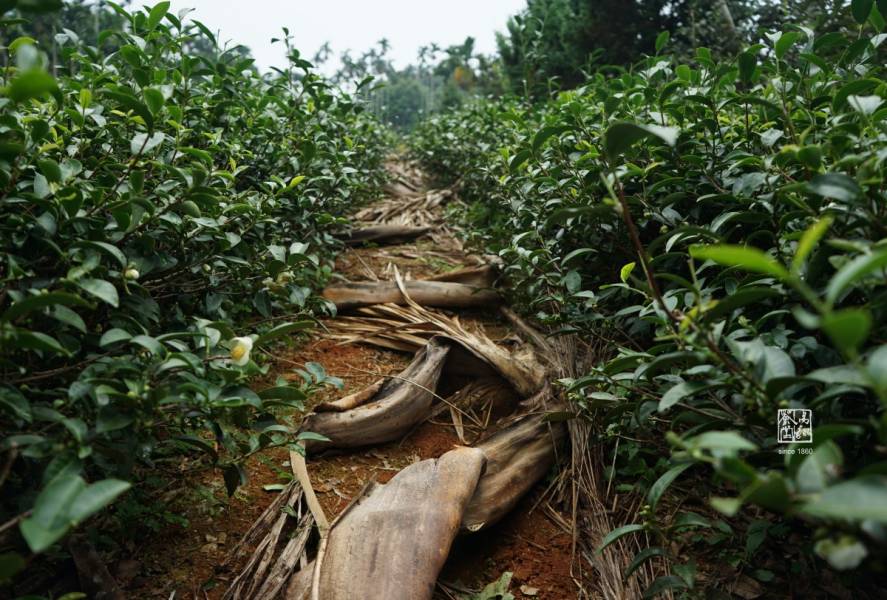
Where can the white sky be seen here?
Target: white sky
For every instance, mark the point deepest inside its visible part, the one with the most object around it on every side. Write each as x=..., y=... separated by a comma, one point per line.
x=351, y=24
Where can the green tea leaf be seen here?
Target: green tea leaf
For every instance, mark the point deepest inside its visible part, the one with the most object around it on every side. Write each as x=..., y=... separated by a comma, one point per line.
x=31, y=84
x=854, y=500
x=49, y=519
x=848, y=328
x=835, y=185
x=744, y=257
x=33, y=303
x=662, y=40
x=861, y=9
x=156, y=15
x=809, y=240
x=94, y=498
x=626, y=270
x=854, y=271
x=282, y=330
x=678, y=392
x=101, y=289
x=785, y=42
x=747, y=64
x=621, y=136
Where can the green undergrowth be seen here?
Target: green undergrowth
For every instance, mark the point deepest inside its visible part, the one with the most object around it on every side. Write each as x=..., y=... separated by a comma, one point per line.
x=167, y=214
x=716, y=230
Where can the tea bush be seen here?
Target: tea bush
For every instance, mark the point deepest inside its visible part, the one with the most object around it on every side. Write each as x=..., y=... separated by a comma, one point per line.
x=166, y=211
x=719, y=229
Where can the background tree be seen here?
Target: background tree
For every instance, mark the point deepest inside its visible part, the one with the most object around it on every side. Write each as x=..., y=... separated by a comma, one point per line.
x=552, y=44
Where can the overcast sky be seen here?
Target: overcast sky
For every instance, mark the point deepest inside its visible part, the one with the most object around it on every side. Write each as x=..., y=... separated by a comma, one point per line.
x=352, y=24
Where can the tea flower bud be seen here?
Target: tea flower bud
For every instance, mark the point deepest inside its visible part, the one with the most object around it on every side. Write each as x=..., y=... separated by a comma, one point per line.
x=131, y=273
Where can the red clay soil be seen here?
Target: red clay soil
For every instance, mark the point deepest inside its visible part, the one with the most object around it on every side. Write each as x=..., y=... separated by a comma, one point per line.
x=527, y=544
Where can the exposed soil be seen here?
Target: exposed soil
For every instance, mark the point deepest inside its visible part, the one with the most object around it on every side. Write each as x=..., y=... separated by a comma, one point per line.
x=190, y=560
x=527, y=543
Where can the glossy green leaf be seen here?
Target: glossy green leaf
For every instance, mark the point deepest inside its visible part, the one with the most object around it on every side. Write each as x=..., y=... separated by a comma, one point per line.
x=665, y=480
x=785, y=42
x=854, y=271
x=809, y=240
x=156, y=15
x=747, y=64
x=93, y=498
x=861, y=9
x=621, y=136
x=282, y=330
x=662, y=41
x=33, y=303
x=31, y=84
x=744, y=257
x=848, y=328
x=678, y=392
x=130, y=102
x=626, y=270
x=835, y=185
x=617, y=533
x=854, y=500
x=101, y=289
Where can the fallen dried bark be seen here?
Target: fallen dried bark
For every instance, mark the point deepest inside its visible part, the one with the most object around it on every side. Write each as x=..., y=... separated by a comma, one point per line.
x=393, y=542
x=388, y=234
x=440, y=294
x=517, y=457
x=391, y=412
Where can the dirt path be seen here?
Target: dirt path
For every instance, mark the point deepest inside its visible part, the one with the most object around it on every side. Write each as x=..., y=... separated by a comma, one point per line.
x=533, y=541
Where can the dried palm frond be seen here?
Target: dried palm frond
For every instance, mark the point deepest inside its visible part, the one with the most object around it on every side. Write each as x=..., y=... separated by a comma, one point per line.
x=409, y=327
x=471, y=407
x=418, y=211
x=581, y=486
x=280, y=537
x=404, y=175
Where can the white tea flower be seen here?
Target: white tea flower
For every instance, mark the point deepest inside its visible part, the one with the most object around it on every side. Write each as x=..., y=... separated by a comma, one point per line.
x=240, y=350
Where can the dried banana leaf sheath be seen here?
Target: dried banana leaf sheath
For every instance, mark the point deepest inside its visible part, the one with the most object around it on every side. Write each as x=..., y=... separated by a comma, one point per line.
x=440, y=294
x=517, y=457
x=389, y=234
x=299, y=587
x=400, y=403
x=483, y=276
x=392, y=544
